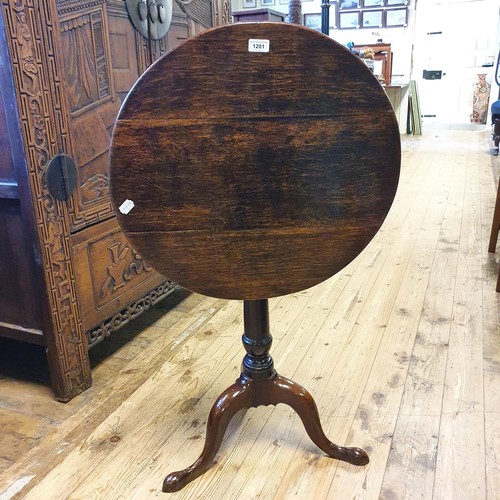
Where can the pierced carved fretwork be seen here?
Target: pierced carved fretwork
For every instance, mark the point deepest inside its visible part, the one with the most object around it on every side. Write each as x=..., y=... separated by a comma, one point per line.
x=107, y=327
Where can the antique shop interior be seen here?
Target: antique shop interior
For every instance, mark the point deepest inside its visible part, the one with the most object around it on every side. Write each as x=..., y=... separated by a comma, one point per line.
x=249, y=249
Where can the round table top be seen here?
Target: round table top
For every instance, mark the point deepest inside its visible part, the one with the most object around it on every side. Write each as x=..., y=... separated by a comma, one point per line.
x=254, y=174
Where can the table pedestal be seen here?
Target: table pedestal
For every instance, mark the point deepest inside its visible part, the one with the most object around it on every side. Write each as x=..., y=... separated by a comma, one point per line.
x=259, y=384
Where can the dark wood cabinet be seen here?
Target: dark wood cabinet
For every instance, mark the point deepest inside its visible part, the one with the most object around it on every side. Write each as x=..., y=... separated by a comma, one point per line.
x=68, y=276
x=252, y=15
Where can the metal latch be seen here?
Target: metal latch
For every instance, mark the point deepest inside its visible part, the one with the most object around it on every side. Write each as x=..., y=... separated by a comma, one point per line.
x=432, y=74
x=151, y=18
x=61, y=177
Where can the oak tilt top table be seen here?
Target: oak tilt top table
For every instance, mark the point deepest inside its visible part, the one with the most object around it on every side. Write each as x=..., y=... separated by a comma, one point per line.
x=255, y=160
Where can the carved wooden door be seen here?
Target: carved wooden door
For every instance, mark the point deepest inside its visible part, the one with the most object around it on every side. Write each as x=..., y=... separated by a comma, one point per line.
x=72, y=62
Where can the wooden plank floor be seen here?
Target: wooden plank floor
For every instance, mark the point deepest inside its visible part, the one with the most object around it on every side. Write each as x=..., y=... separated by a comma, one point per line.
x=401, y=351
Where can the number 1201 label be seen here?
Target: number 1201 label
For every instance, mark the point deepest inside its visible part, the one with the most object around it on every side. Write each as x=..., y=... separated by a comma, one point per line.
x=255, y=45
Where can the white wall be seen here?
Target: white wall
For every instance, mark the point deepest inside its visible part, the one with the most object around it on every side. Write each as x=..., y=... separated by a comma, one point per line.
x=464, y=43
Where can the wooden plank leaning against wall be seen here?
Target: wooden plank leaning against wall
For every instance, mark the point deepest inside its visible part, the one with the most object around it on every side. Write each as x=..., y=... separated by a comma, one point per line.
x=68, y=81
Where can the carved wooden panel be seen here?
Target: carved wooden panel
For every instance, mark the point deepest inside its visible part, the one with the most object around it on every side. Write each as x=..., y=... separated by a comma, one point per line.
x=86, y=60
x=32, y=35
x=111, y=272
x=20, y=312
x=221, y=12
x=199, y=12
x=128, y=50
x=102, y=57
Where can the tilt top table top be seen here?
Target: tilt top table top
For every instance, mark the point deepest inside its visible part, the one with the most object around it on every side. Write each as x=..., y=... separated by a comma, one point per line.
x=259, y=158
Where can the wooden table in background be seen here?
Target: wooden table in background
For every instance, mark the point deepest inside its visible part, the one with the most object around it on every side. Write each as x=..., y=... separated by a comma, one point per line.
x=383, y=53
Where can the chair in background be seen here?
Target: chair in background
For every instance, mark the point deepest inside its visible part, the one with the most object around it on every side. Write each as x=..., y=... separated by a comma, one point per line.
x=495, y=227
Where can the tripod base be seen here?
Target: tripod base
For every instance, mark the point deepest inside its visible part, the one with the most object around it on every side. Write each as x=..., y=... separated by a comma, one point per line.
x=248, y=393
x=259, y=384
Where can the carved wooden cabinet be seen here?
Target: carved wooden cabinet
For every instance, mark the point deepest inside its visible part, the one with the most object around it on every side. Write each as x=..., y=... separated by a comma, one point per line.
x=68, y=276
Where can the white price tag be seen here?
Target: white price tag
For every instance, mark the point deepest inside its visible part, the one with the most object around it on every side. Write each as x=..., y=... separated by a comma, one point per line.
x=256, y=45
x=126, y=207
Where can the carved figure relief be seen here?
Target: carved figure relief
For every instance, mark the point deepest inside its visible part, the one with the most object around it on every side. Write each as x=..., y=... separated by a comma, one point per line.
x=86, y=69
x=116, y=271
x=122, y=269
x=95, y=187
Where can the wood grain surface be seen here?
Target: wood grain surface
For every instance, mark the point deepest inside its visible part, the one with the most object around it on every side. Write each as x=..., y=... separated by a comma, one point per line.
x=254, y=174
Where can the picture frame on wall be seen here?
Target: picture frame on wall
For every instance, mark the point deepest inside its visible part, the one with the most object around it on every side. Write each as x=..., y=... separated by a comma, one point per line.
x=395, y=18
x=249, y=4
x=367, y=4
x=348, y=20
x=312, y=21
x=372, y=19
x=349, y=4
x=267, y=3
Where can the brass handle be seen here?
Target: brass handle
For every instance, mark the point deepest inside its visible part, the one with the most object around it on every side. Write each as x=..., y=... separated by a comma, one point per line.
x=61, y=177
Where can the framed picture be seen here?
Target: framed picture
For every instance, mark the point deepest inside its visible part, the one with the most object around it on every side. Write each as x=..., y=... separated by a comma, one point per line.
x=372, y=19
x=348, y=20
x=396, y=17
x=249, y=4
x=390, y=3
x=267, y=3
x=349, y=4
x=312, y=21
x=367, y=4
